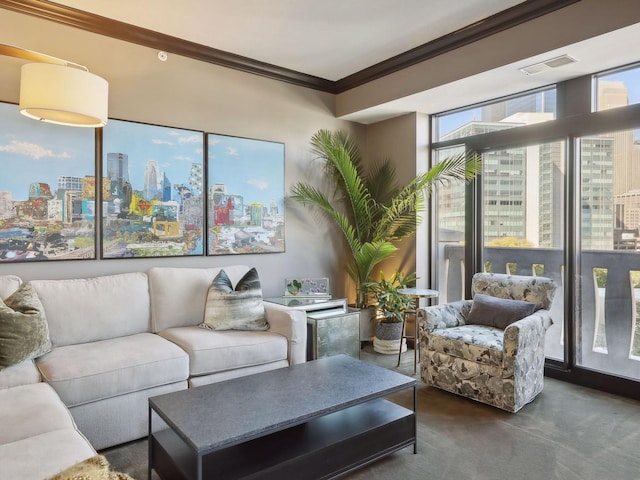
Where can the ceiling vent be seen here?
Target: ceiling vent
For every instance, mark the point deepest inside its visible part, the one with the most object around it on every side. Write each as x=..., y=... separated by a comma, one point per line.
x=548, y=64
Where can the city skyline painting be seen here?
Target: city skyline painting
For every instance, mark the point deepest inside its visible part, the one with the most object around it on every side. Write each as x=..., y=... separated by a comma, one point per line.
x=47, y=190
x=152, y=191
x=245, y=206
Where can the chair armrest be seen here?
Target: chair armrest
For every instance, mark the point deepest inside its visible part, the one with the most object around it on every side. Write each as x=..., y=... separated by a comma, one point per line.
x=524, y=339
x=292, y=324
x=443, y=316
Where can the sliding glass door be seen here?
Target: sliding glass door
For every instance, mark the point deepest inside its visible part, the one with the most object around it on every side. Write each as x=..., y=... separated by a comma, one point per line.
x=523, y=218
x=609, y=287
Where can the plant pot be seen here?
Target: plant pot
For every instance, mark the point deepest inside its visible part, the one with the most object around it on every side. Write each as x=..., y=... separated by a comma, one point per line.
x=387, y=339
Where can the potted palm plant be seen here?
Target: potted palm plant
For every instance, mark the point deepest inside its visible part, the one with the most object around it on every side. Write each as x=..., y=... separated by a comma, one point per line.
x=369, y=206
x=391, y=306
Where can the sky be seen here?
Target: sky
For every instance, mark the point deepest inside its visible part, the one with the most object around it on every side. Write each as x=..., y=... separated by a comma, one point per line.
x=251, y=168
x=32, y=151
x=174, y=149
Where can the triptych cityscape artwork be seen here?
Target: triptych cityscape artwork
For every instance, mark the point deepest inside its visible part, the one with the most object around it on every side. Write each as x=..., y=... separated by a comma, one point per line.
x=163, y=192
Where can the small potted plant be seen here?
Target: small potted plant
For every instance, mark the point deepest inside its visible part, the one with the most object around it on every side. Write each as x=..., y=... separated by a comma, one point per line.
x=391, y=307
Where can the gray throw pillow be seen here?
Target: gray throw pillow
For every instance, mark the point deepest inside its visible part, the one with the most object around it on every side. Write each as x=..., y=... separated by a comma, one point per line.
x=498, y=312
x=24, y=332
x=238, y=308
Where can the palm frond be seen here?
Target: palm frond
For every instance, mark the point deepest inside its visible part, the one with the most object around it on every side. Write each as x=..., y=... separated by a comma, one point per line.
x=367, y=257
x=381, y=182
x=309, y=195
x=460, y=167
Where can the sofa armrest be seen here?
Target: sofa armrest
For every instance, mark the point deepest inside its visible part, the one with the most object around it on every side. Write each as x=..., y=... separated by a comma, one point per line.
x=524, y=341
x=292, y=324
x=444, y=316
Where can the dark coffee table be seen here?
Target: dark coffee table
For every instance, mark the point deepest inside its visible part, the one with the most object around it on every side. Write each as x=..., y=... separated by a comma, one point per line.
x=320, y=419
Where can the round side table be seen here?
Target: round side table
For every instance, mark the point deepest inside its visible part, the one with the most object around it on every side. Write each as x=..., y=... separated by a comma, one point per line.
x=417, y=294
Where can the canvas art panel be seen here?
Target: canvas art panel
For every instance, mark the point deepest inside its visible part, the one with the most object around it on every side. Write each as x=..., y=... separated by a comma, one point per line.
x=152, y=191
x=47, y=190
x=245, y=202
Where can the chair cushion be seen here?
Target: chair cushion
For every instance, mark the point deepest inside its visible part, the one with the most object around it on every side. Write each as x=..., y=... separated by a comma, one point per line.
x=218, y=351
x=498, y=312
x=476, y=343
x=92, y=371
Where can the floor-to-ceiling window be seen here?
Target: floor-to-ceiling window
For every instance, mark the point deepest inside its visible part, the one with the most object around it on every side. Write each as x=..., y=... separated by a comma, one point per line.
x=558, y=196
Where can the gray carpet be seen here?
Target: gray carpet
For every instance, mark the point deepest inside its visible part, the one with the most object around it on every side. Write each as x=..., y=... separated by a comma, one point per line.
x=567, y=433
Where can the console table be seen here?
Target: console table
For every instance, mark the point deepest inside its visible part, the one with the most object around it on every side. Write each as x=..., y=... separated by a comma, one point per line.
x=331, y=328
x=319, y=419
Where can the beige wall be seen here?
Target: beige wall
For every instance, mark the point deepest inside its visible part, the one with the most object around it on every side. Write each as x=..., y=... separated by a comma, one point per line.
x=194, y=95
x=396, y=139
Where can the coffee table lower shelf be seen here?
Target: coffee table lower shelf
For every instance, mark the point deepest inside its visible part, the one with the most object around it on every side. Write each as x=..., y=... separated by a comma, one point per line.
x=325, y=447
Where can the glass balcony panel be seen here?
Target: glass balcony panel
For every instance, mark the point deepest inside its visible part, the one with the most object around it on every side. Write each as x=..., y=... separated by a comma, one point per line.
x=609, y=289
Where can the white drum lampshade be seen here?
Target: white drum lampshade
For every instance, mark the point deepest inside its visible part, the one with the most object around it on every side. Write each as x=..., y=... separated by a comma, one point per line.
x=63, y=95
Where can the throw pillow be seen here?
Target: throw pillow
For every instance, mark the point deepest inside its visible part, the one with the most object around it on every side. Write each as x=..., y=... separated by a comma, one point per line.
x=94, y=468
x=238, y=308
x=24, y=333
x=498, y=312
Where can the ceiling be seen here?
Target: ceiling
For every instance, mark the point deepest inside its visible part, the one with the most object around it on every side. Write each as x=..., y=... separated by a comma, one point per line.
x=330, y=39
x=335, y=39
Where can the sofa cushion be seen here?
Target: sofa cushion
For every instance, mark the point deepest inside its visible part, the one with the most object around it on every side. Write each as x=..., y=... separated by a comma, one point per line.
x=179, y=295
x=213, y=351
x=23, y=373
x=24, y=333
x=498, y=312
x=9, y=284
x=30, y=410
x=476, y=343
x=25, y=460
x=235, y=308
x=92, y=371
x=90, y=309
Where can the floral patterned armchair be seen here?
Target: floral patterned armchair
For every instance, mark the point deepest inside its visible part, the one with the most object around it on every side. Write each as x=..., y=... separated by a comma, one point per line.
x=500, y=367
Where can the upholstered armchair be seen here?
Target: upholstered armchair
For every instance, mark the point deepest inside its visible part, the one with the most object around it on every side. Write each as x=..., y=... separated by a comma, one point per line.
x=490, y=349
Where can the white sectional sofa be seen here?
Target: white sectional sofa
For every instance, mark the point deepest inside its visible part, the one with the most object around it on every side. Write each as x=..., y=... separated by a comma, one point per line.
x=116, y=341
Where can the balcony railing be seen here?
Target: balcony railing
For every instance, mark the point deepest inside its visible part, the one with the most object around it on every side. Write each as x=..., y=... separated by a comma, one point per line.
x=607, y=324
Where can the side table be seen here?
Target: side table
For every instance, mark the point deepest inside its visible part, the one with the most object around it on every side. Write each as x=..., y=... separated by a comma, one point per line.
x=331, y=328
x=417, y=294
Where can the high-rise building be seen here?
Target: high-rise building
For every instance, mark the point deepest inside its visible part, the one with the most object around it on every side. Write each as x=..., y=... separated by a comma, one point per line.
x=117, y=171
x=626, y=154
x=151, y=174
x=523, y=189
x=596, y=192
x=166, y=188
x=69, y=183
x=196, y=178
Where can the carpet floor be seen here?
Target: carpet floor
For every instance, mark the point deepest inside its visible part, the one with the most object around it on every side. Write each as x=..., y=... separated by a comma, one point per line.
x=568, y=433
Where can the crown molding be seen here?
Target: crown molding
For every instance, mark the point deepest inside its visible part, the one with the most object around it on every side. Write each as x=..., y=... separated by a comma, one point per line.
x=516, y=15
x=521, y=13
